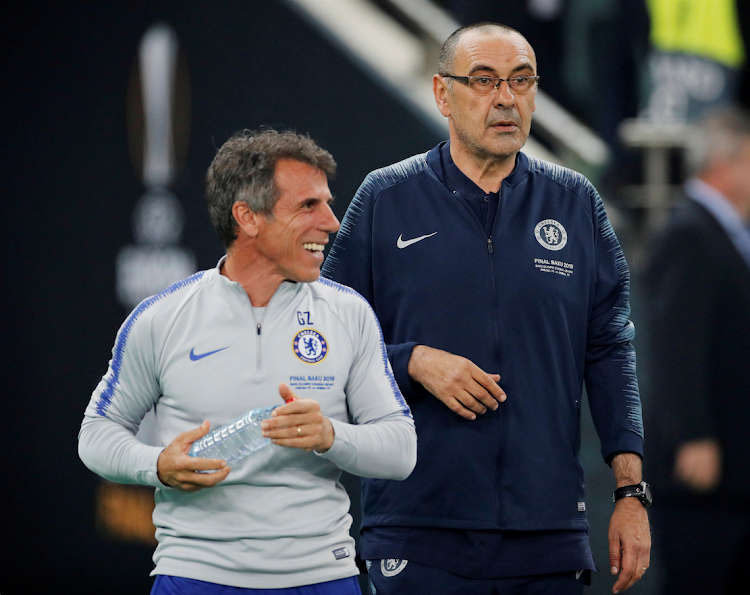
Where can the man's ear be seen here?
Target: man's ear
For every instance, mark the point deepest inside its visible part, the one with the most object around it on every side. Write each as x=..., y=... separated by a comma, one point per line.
x=440, y=90
x=247, y=220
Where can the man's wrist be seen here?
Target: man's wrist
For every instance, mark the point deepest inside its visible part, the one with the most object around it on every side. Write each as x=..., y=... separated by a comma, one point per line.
x=158, y=471
x=330, y=436
x=412, y=367
x=628, y=469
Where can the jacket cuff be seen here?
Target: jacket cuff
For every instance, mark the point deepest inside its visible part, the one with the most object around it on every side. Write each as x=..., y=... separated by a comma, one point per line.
x=148, y=475
x=624, y=442
x=342, y=452
x=399, y=356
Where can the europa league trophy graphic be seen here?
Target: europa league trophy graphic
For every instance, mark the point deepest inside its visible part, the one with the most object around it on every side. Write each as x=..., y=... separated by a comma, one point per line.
x=156, y=261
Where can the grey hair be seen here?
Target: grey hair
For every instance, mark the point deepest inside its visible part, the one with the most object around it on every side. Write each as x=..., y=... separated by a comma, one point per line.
x=718, y=138
x=448, y=50
x=243, y=170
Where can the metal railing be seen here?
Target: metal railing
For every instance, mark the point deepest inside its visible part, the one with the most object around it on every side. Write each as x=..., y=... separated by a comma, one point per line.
x=656, y=142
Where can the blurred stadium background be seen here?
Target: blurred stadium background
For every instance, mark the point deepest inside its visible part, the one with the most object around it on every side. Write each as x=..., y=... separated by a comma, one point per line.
x=111, y=114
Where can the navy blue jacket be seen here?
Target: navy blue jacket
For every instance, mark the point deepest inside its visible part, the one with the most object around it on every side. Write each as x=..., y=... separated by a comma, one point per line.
x=543, y=301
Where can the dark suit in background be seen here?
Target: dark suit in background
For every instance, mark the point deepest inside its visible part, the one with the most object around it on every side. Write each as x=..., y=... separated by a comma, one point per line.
x=698, y=303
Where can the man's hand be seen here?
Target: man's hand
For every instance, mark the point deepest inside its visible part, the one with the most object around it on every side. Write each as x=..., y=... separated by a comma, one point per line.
x=629, y=542
x=629, y=533
x=698, y=464
x=456, y=381
x=299, y=424
x=178, y=470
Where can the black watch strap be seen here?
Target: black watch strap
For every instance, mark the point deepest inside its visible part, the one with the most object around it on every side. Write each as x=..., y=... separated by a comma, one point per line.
x=642, y=491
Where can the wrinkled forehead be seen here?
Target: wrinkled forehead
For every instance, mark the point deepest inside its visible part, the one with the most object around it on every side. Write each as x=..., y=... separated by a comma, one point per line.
x=494, y=49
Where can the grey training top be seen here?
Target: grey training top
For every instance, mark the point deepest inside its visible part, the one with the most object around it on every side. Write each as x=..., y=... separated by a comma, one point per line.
x=196, y=352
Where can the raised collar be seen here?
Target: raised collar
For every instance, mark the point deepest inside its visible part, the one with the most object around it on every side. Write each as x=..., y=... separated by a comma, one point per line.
x=435, y=163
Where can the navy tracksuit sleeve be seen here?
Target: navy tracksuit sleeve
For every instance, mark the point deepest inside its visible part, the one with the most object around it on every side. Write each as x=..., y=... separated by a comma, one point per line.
x=355, y=239
x=611, y=383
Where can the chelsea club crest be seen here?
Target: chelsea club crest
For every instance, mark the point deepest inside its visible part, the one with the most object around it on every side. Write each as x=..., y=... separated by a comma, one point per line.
x=392, y=566
x=310, y=346
x=551, y=234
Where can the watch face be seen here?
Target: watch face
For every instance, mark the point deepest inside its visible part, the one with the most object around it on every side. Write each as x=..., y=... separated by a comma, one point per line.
x=646, y=499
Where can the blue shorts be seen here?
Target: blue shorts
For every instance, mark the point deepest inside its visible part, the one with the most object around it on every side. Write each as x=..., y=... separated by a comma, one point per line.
x=397, y=577
x=177, y=585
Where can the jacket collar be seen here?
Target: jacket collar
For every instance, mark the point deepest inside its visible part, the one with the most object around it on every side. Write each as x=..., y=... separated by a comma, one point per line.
x=518, y=173
x=284, y=295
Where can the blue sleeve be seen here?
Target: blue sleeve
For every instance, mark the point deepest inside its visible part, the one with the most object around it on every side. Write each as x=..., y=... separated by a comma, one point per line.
x=399, y=356
x=611, y=382
x=349, y=262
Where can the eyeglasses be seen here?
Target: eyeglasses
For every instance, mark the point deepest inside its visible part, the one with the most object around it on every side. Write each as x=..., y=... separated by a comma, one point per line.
x=483, y=85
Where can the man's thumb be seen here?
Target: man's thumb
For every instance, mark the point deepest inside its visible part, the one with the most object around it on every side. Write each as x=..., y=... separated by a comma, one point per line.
x=193, y=435
x=286, y=393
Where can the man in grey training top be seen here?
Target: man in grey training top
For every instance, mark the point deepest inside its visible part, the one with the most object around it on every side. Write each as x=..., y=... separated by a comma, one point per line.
x=221, y=342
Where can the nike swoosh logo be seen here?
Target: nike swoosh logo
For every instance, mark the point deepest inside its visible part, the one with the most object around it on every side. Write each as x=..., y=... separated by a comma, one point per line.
x=195, y=356
x=404, y=243
x=578, y=574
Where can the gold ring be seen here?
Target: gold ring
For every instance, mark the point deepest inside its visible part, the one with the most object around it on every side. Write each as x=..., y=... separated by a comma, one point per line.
x=299, y=433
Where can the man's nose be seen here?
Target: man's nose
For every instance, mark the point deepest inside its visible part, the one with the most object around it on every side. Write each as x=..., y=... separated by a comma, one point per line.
x=330, y=222
x=504, y=95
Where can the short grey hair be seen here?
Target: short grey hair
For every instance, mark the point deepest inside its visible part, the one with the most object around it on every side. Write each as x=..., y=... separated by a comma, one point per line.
x=448, y=50
x=718, y=137
x=244, y=168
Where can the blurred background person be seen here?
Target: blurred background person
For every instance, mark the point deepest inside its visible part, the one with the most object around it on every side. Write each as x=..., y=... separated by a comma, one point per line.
x=698, y=416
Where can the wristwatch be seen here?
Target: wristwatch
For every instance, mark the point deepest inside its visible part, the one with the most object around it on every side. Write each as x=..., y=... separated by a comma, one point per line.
x=642, y=491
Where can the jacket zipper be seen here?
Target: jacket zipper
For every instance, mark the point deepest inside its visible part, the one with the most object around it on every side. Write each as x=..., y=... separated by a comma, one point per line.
x=258, y=328
x=258, y=339
x=496, y=329
x=490, y=252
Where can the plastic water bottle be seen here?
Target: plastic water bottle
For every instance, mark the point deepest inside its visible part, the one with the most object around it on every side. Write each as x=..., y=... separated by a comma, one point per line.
x=236, y=440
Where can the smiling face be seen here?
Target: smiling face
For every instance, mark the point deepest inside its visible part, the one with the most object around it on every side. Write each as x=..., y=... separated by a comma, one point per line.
x=291, y=242
x=495, y=125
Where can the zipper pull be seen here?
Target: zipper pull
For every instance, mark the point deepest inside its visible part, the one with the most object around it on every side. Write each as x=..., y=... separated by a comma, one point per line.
x=489, y=246
x=259, y=328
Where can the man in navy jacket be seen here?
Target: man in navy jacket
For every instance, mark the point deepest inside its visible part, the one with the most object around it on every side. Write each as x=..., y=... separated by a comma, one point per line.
x=481, y=261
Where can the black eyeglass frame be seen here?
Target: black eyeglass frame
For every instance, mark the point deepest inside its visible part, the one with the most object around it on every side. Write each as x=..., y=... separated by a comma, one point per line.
x=498, y=81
